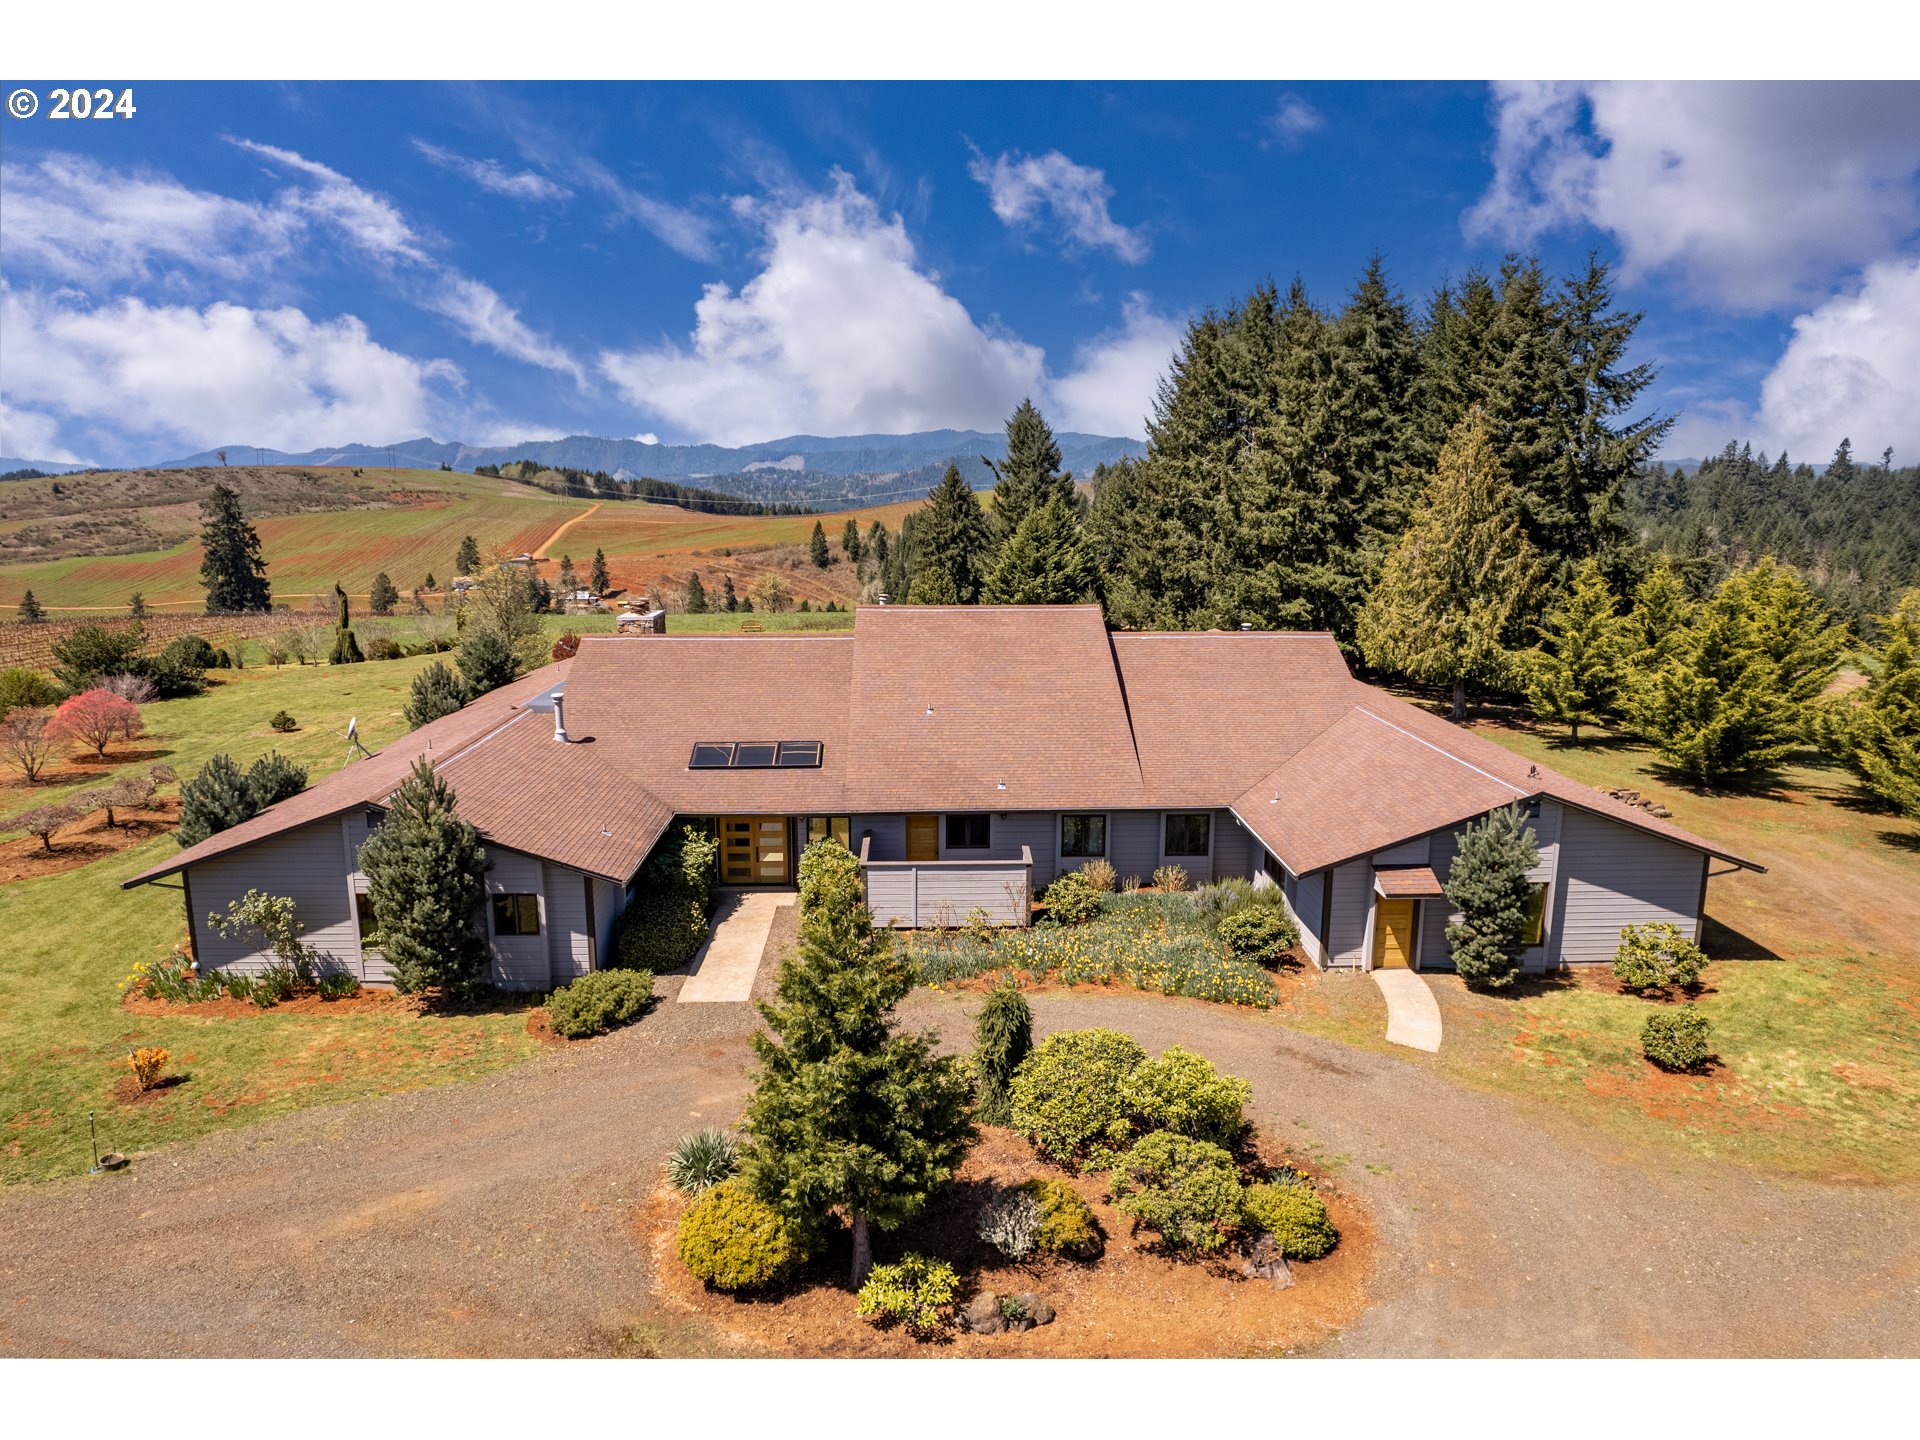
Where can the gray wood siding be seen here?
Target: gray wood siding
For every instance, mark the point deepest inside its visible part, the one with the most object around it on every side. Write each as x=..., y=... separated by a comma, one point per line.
x=1038, y=830
x=1352, y=906
x=568, y=936
x=1233, y=848
x=520, y=962
x=915, y=896
x=309, y=866
x=1436, y=915
x=608, y=901
x=1133, y=843
x=1309, y=893
x=1611, y=876
x=889, y=836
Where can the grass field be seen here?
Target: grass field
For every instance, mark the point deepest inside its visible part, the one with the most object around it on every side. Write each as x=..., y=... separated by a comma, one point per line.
x=73, y=936
x=1814, y=992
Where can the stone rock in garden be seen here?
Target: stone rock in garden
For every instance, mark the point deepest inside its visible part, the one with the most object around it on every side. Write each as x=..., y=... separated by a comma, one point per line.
x=1038, y=1310
x=982, y=1315
x=1265, y=1261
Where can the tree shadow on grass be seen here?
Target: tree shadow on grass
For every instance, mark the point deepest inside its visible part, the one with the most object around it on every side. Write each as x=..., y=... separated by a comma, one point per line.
x=1901, y=840
x=1723, y=942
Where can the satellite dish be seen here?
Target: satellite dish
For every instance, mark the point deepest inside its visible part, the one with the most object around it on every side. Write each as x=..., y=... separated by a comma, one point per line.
x=354, y=742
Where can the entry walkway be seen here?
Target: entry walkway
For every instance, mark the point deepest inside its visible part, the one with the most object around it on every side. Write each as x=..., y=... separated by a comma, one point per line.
x=1413, y=1015
x=725, y=968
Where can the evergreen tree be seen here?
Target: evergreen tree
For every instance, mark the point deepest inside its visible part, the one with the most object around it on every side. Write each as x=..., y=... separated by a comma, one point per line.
x=1487, y=885
x=137, y=606
x=893, y=564
x=1003, y=1036
x=215, y=799
x=1455, y=580
x=1044, y=561
x=273, y=778
x=848, y=1113
x=817, y=546
x=426, y=881
x=346, y=649
x=1793, y=629
x=569, y=579
x=1029, y=476
x=696, y=595
x=436, y=691
x=1658, y=621
x=485, y=659
x=31, y=610
x=933, y=586
x=231, y=569
x=466, y=559
x=385, y=595
x=950, y=534
x=1575, y=677
x=426, y=584
x=850, y=541
x=599, y=578
x=1875, y=732
x=729, y=601
x=877, y=543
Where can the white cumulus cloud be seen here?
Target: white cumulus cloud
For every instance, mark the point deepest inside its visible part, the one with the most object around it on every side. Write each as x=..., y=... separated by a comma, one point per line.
x=1021, y=187
x=490, y=175
x=1291, y=122
x=1754, y=194
x=29, y=435
x=1115, y=376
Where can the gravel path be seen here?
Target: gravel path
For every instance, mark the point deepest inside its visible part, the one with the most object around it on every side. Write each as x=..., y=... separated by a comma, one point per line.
x=492, y=1217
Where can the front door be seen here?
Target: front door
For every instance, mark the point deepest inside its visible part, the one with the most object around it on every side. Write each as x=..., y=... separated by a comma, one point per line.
x=923, y=837
x=1392, y=934
x=753, y=850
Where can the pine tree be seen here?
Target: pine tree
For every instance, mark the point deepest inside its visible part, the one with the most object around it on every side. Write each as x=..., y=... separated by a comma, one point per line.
x=696, y=595
x=436, y=691
x=848, y=1113
x=850, y=541
x=599, y=578
x=1487, y=884
x=817, y=546
x=1457, y=577
x=231, y=568
x=950, y=534
x=273, y=778
x=1044, y=561
x=426, y=584
x=426, y=881
x=1658, y=620
x=1029, y=476
x=31, y=610
x=1575, y=677
x=137, y=606
x=385, y=595
x=215, y=799
x=485, y=659
x=1877, y=729
x=729, y=601
x=466, y=559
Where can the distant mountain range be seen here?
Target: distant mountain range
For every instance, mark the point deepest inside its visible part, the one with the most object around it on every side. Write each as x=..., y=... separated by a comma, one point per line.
x=795, y=464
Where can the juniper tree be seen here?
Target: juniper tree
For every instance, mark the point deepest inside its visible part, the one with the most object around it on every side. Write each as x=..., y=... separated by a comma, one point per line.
x=848, y=1113
x=696, y=595
x=1487, y=884
x=950, y=534
x=598, y=577
x=426, y=881
x=346, y=649
x=1574, y=677
x=231, y=569
x=1044, y=561
x=817, y=546
x=436, y=691
x=850, y=541
x=215, y=799
x=1454, y=582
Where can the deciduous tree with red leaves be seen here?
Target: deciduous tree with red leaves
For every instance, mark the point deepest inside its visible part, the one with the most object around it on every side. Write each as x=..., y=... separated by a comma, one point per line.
x=95, y=718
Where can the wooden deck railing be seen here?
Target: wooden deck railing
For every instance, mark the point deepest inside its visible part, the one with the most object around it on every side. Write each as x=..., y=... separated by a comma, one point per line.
x=943, y=894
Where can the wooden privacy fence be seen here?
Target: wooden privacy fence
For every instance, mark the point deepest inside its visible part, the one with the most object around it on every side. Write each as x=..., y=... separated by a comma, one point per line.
x=943, y=894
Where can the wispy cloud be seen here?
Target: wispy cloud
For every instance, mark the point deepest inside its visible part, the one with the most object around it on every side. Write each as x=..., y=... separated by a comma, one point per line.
x=369, y=221
x=484, y=318
x=1291, y=122
x=493, y=177
x=1022, y=187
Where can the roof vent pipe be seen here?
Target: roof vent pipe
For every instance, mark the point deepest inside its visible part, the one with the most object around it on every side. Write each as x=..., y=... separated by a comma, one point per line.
x=560, y=716
x=1246, y=625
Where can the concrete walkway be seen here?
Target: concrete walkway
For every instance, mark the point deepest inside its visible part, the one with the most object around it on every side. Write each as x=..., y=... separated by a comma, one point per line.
x=726, y=965
x=1413, y=1015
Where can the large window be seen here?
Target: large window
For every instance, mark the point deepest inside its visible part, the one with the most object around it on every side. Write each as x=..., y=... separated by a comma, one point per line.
x=363, y=910
x=516, y=914
x=1188, y=835
x=839, y=827
x=1082, y=837
x=969, y=832
x=1536, y=915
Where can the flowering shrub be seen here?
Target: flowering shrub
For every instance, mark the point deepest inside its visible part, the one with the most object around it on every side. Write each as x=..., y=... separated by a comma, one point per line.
x=148, y=1064
x=170, y=979
x=917, y=1293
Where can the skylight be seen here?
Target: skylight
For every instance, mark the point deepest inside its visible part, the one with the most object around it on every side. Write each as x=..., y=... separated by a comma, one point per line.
x=754, y=754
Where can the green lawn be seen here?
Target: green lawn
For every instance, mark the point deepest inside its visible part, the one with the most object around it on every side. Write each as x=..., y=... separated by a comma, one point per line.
x=63, y=1030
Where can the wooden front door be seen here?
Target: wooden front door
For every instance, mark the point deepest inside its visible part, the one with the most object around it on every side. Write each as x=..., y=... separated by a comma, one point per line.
x=1393, y=934
x=753, y=850
x=923, y=837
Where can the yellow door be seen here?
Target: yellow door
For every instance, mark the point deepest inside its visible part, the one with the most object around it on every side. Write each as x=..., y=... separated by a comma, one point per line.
x=1392, y=934
x=923, y=837
x=770, y=849
x=736, y=850
x=753, y=850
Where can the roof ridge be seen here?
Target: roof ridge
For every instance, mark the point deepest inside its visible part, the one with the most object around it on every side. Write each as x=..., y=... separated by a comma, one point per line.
x=463, y=751
x=1440, y=750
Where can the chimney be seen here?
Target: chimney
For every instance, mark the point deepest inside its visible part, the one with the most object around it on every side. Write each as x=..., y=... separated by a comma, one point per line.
x=560, y=716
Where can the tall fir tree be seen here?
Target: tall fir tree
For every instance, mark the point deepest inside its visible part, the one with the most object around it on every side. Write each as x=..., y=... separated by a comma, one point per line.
x=950, y=534
x=31, y=610
x=137, y=606
x=1030, y=474
x=1488, y=888
x=568, y=578
x=817, y=546
x=1454, y=581
x=426, y=880
x=1044, y=561
x=850, y=541
x=485, y=659
x=1875, y=731
x=1793, y=630
x=231, y=569
x=598, y=577
x=696, y=595
x=1574, y=676
x=848, y=1113
x=466, y=559
x=877, y=541
x=1658, y=621
x=385, y=595
x=729, y=600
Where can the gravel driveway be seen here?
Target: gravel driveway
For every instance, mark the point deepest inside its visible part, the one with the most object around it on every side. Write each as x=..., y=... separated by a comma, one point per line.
x=492, y=1217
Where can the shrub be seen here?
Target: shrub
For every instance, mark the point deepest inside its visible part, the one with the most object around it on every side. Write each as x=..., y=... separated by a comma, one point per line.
x=1262, y=933
x=89, y=652
x=1067, y=1093
x=1184, y=1093
x=283, y=722
x=594, y=1004
x=170, y=979
x=25, y=689
x=1010, y=1222
x=1657, y=956
x=1099, y=874
x=666, y=921
x=338, y=986
x=735, y=1242
x=1215, y=901
x=1170, y=877
x=1676, y=1039
x=917, y=1292
x=273, y=983
x=190, y=652
x=1003, y=1038
x=436, y=692
x=148, y=1064
x=1067, y=1222
x=135, y=689
x=1294, y=1215
x=215, y=799
x=1186, y=1191
x=382, y=647
x=240, y=987
x=702, y=1160
x=1072, y=900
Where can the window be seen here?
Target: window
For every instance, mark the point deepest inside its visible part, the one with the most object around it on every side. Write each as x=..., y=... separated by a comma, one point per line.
x=1276, y=872
x=1188, y=835
x=754, y=754
x=363, y=911
x=1536, y=915
x=969, y=832
x=1083, y=836
x=516, y=914
x=839, y=827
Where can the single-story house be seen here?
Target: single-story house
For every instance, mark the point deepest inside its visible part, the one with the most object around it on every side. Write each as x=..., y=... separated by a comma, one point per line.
x=967, y=755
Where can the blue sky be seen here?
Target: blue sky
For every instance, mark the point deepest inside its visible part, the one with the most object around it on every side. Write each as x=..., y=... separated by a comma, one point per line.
x=310, y=264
